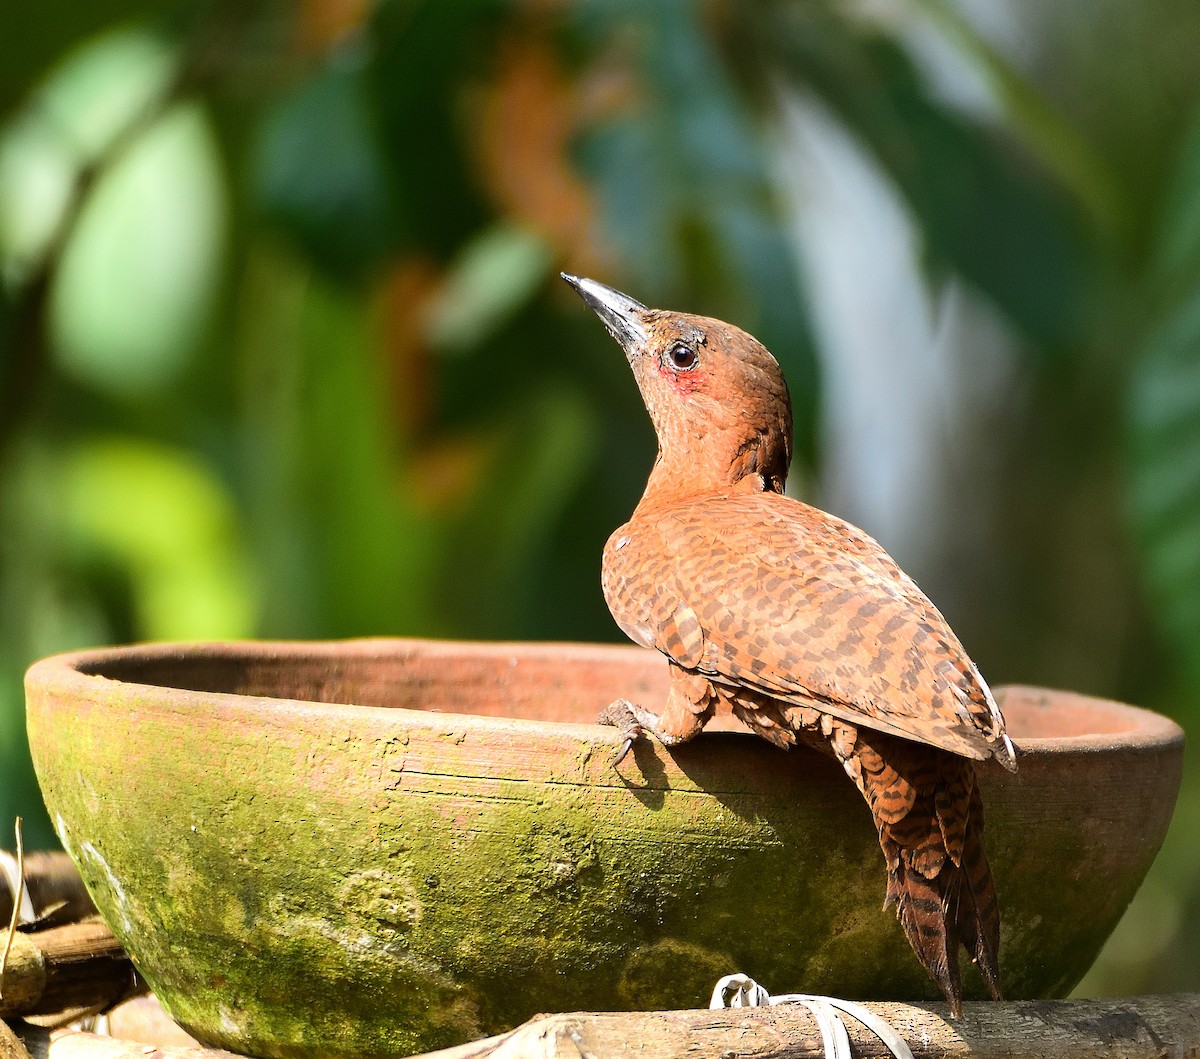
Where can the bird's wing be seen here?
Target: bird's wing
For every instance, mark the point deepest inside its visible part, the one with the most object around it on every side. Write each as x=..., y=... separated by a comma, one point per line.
x=762, y=591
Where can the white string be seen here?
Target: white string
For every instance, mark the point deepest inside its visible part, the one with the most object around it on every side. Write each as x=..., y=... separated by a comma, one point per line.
x=741, y=991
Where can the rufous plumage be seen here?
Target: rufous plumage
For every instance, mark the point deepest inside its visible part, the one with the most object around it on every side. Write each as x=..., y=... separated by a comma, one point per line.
x=801, y=624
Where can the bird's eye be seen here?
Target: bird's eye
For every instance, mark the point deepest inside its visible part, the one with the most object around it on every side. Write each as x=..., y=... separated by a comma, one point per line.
x=681, y=357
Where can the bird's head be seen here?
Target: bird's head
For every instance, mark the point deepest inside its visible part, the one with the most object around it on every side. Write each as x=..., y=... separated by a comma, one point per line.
x=717, y=398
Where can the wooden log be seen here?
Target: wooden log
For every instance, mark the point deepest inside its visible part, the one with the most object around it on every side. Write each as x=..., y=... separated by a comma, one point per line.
x=80, y=965
x=51, y=880
x=11, y=1045
x=1150, y=1027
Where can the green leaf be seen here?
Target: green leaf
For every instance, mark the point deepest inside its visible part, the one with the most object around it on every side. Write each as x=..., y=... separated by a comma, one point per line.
x=1030, y=112
x=36, y=176
x=1176, y=263
x=424, y=56
x=496, y=274
x=1164, y=417
x=343, y=553
x=104, y=88
x=982, y=210
x=682, y=179
x=36, y=37
x=1164, y=467
x=377, y=556
x=19, y=793
x=160, y=515
x=546, y=444
x=138, y=278
x=320, y=174
x=84, y=105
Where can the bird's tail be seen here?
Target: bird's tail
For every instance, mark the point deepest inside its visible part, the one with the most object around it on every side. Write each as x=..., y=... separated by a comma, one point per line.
x=929, y=815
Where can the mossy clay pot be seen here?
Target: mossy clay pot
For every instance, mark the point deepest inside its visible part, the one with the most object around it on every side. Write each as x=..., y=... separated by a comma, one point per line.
x=381, y=847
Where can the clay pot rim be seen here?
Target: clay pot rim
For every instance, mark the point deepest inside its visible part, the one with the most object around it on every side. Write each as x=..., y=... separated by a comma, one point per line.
x=81, y=673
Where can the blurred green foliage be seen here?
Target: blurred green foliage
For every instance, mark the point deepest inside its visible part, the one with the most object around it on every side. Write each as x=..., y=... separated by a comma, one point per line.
x=283, y=351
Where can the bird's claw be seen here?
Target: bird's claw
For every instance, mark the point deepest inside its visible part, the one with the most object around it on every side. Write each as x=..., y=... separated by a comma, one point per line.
x=625, y=748
x=622, y=716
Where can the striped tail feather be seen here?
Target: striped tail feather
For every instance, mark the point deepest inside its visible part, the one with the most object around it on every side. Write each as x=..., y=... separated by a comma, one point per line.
x=977, y=911
x=921, y=908
x=929, y=815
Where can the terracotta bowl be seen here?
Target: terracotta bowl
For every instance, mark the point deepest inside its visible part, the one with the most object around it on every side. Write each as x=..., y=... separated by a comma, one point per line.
x=382, y=847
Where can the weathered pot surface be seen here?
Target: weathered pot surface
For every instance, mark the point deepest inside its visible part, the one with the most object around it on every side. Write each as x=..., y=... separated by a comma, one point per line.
x=380, y=847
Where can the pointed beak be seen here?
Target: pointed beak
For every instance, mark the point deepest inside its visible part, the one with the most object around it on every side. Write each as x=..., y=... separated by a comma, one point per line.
x=619, y=312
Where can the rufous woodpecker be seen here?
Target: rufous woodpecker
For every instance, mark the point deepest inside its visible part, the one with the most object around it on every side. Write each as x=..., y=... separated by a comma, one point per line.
x=801, y=624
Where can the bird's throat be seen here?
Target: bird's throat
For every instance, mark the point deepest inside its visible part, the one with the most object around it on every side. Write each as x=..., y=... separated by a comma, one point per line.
x=719, y=463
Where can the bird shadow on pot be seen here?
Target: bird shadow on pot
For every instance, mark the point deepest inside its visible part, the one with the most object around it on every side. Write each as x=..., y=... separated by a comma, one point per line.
x=651, y=792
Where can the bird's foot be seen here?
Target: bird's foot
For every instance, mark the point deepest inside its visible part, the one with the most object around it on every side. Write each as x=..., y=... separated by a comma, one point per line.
x=631, y=721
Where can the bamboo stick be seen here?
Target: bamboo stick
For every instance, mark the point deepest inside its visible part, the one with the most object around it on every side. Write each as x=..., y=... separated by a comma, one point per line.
x=77, y=966
x=1150, y=1027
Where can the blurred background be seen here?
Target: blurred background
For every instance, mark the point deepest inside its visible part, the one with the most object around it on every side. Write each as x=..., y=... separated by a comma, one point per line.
x=283, y=350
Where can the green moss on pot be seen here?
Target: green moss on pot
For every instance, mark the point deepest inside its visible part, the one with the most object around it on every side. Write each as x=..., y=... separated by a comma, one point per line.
x=295, y=877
